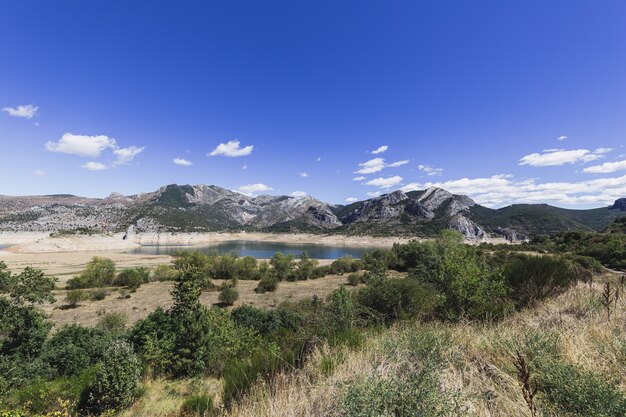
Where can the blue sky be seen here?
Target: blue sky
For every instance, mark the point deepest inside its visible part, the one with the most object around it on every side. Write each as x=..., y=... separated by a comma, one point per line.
x=516, y=101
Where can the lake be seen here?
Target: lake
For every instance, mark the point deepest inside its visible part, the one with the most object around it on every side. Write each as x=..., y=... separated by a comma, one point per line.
x=259, y=250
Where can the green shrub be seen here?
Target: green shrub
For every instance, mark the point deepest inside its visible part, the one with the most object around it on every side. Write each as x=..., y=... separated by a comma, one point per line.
x=534, y=278
x=355, y=279
x=266, y=284
x=305, y=267
x=99, y=272
x=98, y=294
x=115, y=382
x=282, y=266
x=569, y=389
x=74, y=348
x=247, y=268
x=345, y=265
x=132, y=278
x=50, y=397
x=396, y=298
x=113, y=322
x=228, y=295
x=164, y=273
x=74, y=297
x=470, y=285
x=199, y=405
x=415, y=394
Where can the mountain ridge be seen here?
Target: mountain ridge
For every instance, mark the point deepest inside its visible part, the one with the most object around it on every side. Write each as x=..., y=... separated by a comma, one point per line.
x=199, y=208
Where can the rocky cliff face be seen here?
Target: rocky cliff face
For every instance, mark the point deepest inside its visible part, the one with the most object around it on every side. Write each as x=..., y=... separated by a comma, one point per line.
x=418, y=207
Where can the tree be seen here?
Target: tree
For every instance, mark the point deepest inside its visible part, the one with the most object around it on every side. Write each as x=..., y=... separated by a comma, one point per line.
x=306, y=266
x=30, y=286
x=282, y=264
x=23, y=327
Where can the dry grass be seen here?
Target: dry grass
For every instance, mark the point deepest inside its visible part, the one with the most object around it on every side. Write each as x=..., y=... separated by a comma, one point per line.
x=157, y=294
x=477, y=359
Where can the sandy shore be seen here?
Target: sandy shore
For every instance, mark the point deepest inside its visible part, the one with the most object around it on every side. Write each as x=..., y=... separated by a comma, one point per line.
x=37, y=242
x=66, y=256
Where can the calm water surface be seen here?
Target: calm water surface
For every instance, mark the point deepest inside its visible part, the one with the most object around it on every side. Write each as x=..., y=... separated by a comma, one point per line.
x=260, y=250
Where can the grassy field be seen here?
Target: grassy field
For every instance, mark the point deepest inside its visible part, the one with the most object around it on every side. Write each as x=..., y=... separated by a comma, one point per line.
x=149, y=296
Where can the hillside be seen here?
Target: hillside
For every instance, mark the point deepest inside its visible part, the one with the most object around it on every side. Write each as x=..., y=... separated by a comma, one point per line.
x=203, y=208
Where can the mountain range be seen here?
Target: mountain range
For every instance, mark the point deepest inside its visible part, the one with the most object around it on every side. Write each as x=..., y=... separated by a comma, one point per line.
x=200, y=208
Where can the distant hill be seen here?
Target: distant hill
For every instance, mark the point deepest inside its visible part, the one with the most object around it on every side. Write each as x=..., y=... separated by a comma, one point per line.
x=187, y=208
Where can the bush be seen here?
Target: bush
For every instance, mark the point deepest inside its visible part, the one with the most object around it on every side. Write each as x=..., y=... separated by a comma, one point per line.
x=570, y=389
x=164, y=273
x=470, y=285
x=396, y=298
x=132, y=278
x=98, y=294
x=355, y=279
x=115, y=382
x=534, y=278
x=417, y=394
x=345, y=265
x=305, y=267
x=228, y=295
x=113, y=322
x=73, y=297
x=266, y=284
x=99, y=272
x=74, y=348
x=282, y=266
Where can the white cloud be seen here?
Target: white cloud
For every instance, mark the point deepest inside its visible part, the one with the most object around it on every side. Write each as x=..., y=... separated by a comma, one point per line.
x=371, y=166
x=398, y=163
x=251, y=189
x=351, y=199
x=377, y=165
x=387, y=182
x=244, y=167
x=606, y=167
x=125, y=155
x=27, y=111
x=561, y=138
x=82, y=145
x=39, y=173
x=304, y=174
x=182, y=162
x=430, y=170
x=359, y=178
x=373, y=193
x=231, y=149
x=299, y=194
x=381, y=149
x=554, y=157
x=499, y=190
x=94, y=166
x=319, y=159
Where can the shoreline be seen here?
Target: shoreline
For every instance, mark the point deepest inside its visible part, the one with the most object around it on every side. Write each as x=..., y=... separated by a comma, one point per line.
x=42, y=242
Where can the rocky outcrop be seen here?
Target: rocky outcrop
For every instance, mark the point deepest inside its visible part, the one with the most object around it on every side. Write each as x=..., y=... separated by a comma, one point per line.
x=620, y=204
x=468, y=228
